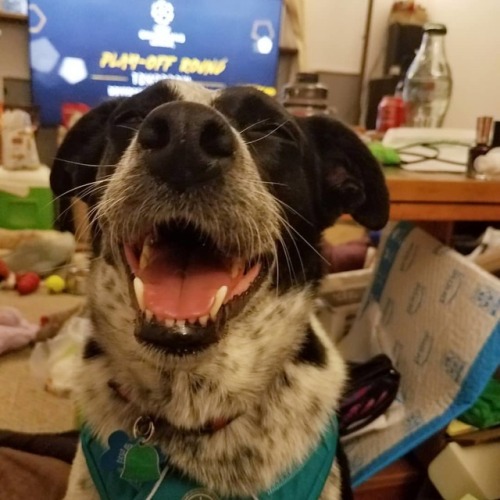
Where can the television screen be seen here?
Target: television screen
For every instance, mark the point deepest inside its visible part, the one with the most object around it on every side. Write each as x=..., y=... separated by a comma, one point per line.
x=86, y=51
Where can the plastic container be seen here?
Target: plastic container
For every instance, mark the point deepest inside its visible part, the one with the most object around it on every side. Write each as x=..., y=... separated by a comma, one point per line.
x=428, y=83
x=306, y=96
x=26, y=199
x=474, y=470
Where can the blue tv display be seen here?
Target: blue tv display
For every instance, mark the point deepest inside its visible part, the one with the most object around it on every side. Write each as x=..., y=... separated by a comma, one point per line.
x=86, y=51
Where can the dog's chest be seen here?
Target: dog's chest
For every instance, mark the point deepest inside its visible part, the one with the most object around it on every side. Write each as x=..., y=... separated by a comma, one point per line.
x=304, y=482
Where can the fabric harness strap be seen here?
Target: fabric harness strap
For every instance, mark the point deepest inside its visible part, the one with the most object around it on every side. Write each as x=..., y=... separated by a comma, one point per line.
x=306, y=482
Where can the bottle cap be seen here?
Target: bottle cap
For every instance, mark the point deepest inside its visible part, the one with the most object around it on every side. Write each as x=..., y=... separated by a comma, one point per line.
x=495, y=142
x=435, y=28
x=483, y=129
x=307, y=77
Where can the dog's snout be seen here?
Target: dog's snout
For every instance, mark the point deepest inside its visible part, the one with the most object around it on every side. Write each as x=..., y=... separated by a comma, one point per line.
x=186, y=144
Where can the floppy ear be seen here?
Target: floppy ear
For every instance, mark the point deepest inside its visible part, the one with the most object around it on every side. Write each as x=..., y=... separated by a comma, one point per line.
x=350, y=178
x=77, y=158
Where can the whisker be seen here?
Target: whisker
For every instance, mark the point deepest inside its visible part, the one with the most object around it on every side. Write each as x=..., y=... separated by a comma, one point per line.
x=91, y=165
x=288, y=207
x=92, y=184
x=128, y=128
x=269, y=133
x=306, y=242
x=253, y=125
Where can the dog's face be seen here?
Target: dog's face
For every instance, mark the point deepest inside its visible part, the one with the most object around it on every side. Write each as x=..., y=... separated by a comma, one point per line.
x=207, y=210
x=206, y=202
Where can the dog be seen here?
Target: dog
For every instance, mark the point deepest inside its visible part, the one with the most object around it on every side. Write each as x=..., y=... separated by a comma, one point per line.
x=207, y=209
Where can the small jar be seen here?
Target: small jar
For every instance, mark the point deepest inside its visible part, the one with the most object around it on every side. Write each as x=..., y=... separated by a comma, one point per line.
x=474, y=167
x=306, y=96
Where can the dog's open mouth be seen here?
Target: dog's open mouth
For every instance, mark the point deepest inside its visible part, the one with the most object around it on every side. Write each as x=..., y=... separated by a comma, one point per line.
x=186, y=288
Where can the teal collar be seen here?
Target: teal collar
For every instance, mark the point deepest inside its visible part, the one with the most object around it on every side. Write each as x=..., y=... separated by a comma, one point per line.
x=304, y=483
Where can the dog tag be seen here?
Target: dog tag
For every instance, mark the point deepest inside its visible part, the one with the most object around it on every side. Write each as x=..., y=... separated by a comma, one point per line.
x=142, y=464
x=114, y=457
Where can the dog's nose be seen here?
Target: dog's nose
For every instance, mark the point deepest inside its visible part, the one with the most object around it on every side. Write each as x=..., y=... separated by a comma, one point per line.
x=187, y=144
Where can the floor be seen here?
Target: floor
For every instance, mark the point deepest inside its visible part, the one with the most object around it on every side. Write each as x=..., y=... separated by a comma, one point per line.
x=25, y=405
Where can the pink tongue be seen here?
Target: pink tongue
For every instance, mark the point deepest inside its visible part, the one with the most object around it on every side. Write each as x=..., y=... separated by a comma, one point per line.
x=182, y=285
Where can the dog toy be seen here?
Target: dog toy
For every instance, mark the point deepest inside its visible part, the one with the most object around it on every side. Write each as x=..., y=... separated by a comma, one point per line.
x=4, y=270
x=15, y=331
x=27, y=283
x=55, y=284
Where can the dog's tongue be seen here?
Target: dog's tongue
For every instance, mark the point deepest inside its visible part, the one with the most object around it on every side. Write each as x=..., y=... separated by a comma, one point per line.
x=182, y=284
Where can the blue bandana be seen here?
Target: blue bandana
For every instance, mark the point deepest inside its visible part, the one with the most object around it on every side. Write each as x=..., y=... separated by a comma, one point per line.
x=304, y=483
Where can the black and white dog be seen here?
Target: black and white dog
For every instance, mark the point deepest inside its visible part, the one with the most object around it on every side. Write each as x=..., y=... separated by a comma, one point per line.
x=207, y=211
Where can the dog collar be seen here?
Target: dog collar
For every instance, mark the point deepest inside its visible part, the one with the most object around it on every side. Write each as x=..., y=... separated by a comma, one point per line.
x=306, y=482
x=209, y=428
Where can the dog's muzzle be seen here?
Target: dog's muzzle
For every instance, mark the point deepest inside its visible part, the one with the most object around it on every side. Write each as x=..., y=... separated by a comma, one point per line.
x=186, y=289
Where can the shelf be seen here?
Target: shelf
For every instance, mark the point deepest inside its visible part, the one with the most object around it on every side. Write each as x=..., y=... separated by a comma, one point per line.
x=10, y=16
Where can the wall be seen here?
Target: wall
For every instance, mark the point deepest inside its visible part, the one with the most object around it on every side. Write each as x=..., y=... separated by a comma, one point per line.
x=334, y=35
x=472, y=46
x=473, y=50
x=14, y=49
x=13, y=52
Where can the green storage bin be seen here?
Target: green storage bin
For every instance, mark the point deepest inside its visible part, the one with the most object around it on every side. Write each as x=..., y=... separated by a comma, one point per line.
x=26, y=200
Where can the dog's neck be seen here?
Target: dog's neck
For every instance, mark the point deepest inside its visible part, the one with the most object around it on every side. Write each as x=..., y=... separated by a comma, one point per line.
x=210, y=427
x=283, y=403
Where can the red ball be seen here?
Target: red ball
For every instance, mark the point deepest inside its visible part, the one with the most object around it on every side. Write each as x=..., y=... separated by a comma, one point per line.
x=27, y=283
x=4, y=270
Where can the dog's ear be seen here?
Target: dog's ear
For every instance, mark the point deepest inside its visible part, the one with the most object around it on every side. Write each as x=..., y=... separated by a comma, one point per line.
x=79, y=155
x=350, y=178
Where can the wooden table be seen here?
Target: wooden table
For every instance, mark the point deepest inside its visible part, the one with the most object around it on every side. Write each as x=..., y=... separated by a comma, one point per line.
x=436, y=201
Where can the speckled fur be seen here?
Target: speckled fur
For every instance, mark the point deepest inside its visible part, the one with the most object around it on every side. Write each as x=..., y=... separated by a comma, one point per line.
x=254, y=371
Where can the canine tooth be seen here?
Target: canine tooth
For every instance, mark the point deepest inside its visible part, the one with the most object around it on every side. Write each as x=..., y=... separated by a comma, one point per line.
x=203, y=320
x=149, y=315
x=145, y=256
x=180, y=322
x=169, y=323
x=218, y=301
x=139, y=292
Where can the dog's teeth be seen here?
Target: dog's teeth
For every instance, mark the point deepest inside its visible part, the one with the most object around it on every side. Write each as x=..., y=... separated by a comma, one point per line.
x=180, y=322
x=203, y=320
x=139, y=292
x=218, y=301
x=169, y=323
x=236, y=268
x=145, y=256
x=149, y=315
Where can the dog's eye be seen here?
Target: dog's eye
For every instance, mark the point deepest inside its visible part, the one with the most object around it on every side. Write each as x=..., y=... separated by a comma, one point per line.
x=271, y=130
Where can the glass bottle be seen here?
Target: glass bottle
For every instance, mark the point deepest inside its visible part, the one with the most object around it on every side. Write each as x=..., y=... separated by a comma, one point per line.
x=306, y=96
x=428, y=83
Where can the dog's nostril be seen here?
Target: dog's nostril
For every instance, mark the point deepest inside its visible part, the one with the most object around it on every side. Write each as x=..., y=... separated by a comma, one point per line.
x=154, y=133
x=216, y=139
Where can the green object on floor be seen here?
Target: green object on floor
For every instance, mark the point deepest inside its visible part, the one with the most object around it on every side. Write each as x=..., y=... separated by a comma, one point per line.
x=384, y=154
x=486, y=410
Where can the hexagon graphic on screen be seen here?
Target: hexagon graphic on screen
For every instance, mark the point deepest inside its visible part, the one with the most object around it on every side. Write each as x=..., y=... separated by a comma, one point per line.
x=73, y=70
x=44, y=55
